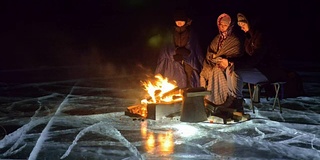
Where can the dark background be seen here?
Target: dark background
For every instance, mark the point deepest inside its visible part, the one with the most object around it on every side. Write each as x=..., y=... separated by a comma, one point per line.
x=42, y=33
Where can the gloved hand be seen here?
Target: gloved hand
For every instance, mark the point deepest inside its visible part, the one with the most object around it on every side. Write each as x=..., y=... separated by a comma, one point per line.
x=183, y=51
x=178, y=57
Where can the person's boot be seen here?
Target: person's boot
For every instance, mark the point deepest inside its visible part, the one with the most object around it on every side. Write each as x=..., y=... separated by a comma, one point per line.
x=228, y=103
x=213, y=110
x=238, y=112
x=238, y=105
x=210, y=107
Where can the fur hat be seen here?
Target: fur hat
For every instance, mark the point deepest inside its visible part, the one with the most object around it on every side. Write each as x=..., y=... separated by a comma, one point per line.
x=242, y=18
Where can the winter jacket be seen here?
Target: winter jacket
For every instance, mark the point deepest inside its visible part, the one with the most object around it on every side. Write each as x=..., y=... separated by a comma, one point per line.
x=184, y=50
x=259, y=54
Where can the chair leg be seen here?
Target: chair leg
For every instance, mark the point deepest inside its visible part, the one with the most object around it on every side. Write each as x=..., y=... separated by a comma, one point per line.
x=256, y=93
x=276, y=98
x=251, y=97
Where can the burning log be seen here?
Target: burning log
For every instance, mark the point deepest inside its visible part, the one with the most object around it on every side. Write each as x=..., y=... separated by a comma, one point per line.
x=170, y=92
x=158, y=96
x=176, y=97
x=136, y=111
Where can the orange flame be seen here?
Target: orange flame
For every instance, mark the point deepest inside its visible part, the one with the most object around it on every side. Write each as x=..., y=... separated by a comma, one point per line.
x=157, y=89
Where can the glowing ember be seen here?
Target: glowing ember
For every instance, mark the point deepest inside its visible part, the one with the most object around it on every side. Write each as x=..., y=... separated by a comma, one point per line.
x=161, y=91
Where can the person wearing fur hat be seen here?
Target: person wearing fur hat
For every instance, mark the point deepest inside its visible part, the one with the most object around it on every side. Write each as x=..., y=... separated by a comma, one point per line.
x=182, y=59
x=222, y=51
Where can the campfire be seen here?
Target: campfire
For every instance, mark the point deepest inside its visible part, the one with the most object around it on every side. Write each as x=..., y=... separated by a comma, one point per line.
x=160, y=91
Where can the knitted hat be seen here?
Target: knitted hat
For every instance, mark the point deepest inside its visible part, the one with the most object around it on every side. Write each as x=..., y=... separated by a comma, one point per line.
x=224, y=18
x=242, y=18
x=180, y=15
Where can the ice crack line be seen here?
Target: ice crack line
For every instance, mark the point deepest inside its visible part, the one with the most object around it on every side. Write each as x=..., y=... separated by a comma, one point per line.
x=104, y=128
x=44, y=133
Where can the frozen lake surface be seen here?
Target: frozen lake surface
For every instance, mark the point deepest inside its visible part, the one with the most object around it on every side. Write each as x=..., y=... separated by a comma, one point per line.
x=71, y=113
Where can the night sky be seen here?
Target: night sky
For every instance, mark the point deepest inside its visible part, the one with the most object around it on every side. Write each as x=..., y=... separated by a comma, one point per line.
x=73, y=32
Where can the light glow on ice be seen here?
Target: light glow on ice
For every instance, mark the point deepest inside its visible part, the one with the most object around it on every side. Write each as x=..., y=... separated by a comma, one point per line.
x=185, y=130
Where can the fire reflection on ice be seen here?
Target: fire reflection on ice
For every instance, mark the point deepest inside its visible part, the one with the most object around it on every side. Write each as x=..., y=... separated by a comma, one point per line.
x=162, y=143
x=166, y=142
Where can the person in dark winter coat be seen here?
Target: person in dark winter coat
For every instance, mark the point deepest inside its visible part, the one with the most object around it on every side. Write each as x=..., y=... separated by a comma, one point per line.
x=182, y=59
x=259, y=52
